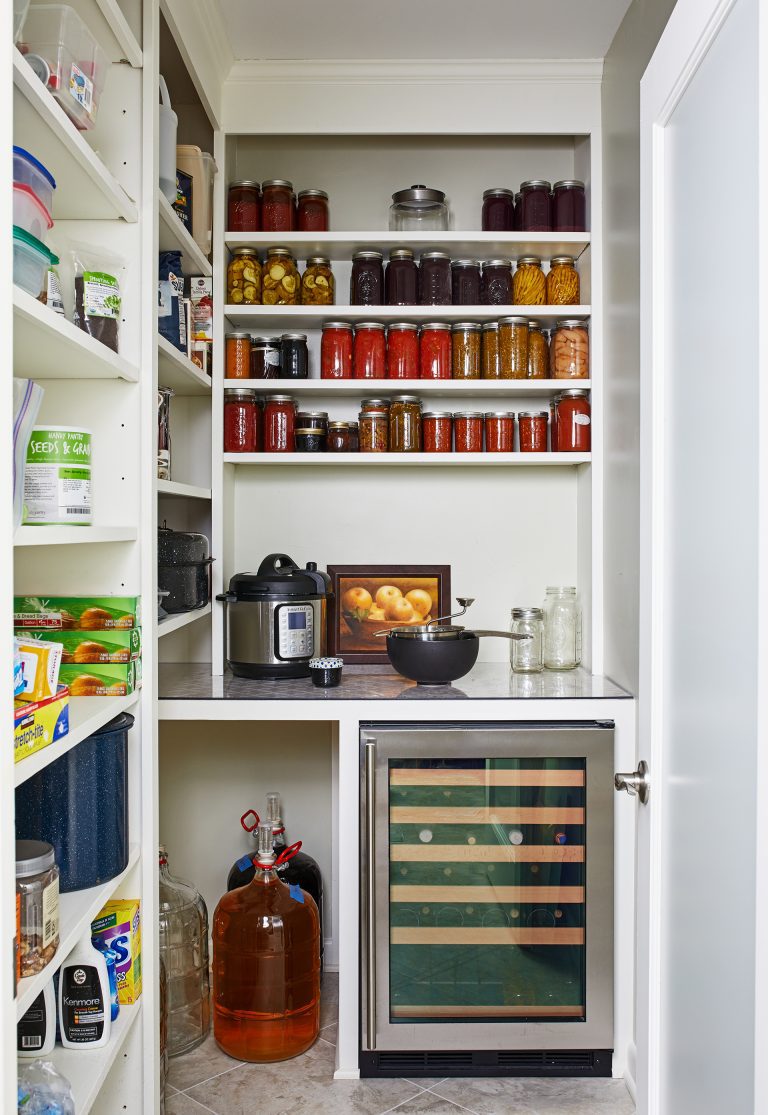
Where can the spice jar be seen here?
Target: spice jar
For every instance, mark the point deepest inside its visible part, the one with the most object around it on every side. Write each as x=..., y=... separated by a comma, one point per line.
x=403, y=350
x=277, y=205
x=369, y=359
x=37, y=890
x=435, y=279
x=366, y=285
x=498, y=210
x=405, y=424
x=294, y=361
x=374, y=431
x=336, y=350
x=468, y=432
x=317, y=283
x=243, y=206
x=401, y=280
x=562, y=628
x=309, y=440
x=281, y=279
x=532, y=431
x=312, y=211
x=490, y=350
x=238, y=355
x=570, y=349
x=500, y=432
x=239, y=420
x=354, y=437
x=496, y=284
x=569, y=208
x=465, y=282
x=265, y=357
x=244, y=278
x=338, y=438
x=435, y=351
x=529, y=286
x=513, y=347
x=279, y=424
x=573, y=422
x=526, y=656
x=535, y=199
x=465, y=345
x=562, y=282
x=538, y=352
x=437, y=431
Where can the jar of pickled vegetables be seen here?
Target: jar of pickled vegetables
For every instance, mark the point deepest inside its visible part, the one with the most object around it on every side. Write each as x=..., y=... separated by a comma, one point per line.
x=317, y=283
x=374, y=431
x=490, y=351
x=403, y=350
x=529, y=285
x=513, y=348
x=405, y=424
x=336, y=350
x=435, y=351
x=465, y=345
x=570, y=349
x=562, y=282
x=244, y=278
x=281, y=279
x=369, y=359
x=538, y=351
x=496, y=283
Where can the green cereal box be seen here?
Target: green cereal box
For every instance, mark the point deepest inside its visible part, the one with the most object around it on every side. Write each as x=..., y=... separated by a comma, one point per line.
x=119, y=927
x=77, y=613
x=90, y=647
x=115, y=680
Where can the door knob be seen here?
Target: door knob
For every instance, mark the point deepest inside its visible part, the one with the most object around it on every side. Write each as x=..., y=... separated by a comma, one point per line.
x=637, y=782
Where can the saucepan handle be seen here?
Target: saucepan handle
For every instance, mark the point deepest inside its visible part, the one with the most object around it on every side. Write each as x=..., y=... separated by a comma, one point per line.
x=500, y=634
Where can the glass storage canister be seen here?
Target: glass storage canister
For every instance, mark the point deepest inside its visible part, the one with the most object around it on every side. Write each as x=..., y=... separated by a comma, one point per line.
x=405, y=424
x=238, y=355
x=401, y=278
x=277, y=205
x=498, y=210
x=532, y=431
x=37, y=887
x=538, y=351
x=183, y=926
x=562, y=628
x=279, y=424
x=338, y=438
x=500, y=431
x=468, y=431
x=243, y=206
x=336, y=350
x=529, y=284
x=437, y=431
x=435, y=279
x=569, y=349
x=294, y=360
x=513, y=347
x=490, y=351
x=563, y=282
x=526, y=656
x=536, y=205
x=164, y=396
x=569, y=207
x=312, y=211
x=244, y=278
x=496, y=283
x=435, y=350
x=573, y=422
x=370, y=351
x=419, y=209
x=318, y=287
x=366, y=284
x=239, y=420
x=465, y=282
x=403, y=350
x=374, y=431
x=265, y=357
x=281, y=283
x=466, y=359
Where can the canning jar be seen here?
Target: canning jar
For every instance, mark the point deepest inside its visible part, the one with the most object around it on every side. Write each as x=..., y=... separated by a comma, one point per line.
x=354, y=437
x=374, y=431
x=532, y=431
x=243, y=206
x=279, y=424
x=294, y=361
x=562, y=282
x=309, y=440
x=244, y=278
x=573, y=422
x=401, y=279
x=435, y=279
x=374, y=404
x=366, y=285
x=562, y=628
x=498, y=210
x=336, y=350
x=569, y=207
x=37, y=888
x=513, y=347
x=500, y=431
x=418, y=209
x=435, y=350
x=529, y=285
x=465, y=344
x=526, y=656
x=496, y=283
x=535, y=199
x=517, y=226
x=538, y=352
x=403, y=350
x=238, y=355
x=405, y=424
x=317, y=283
x=281, y=285
x=437, y=431
x=239, y=420
x=338, y=438
x=312, y=211
x=370, y=351
x=570, y=349
x=465, y=282
x=468, y=431
x=265, y=357
x=312, y=420
x=277, y=205
x=490, y=351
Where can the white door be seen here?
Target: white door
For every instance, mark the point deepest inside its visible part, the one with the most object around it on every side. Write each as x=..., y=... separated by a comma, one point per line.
x=701, y=629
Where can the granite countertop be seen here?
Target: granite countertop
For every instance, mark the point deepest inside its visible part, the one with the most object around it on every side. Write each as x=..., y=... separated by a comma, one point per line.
x=487, y=681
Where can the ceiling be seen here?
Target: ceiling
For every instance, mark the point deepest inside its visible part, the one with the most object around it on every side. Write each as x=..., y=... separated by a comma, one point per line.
x=425, y=29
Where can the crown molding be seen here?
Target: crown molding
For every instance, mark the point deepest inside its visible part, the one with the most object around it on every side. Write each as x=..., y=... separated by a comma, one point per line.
x=472, y=71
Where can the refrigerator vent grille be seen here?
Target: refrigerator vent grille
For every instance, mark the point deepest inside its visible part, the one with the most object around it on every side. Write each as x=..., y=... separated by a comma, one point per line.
x=500, y=1062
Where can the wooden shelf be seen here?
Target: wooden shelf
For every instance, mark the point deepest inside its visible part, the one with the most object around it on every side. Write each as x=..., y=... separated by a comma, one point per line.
x=356, y=388
x=72, y=535
x=182, y=491
x=87, y=1069
x=182, y=619
x=175, y=370
x=473, y=244
x=410, y=460
x=173, y=236
x=312, y=317
x=85, y=189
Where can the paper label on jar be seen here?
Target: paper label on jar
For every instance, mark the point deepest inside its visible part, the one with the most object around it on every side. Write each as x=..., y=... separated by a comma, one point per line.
x=272, y=358
x=81, y=88
x=51, y=913
x=581, y=419
x=101, y=294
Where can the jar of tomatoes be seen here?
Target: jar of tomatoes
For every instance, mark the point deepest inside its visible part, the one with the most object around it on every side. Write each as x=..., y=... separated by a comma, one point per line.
x=336, y=350
x=466, y=360
x=281, y=284
x=277, y=205
x=529, y=285
x=573, y=422
x=532, y=431
x=435, y=351
x=437, y=431
x=279, y=424
x=369, y=360
x=244, y=278
x=562, y=282
x=468, y=431
x=366, y=285
x=535, y=198
x=405, y=424
x=239, y=420
x=500, y=431
x=312, y=211
x=243, y=206
x=403, y=350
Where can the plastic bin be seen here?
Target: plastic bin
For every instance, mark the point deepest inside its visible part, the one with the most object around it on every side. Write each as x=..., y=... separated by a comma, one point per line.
x=76, y=65
x=31, y=260
x=29, y=212
x=30, y=172
x=201, y=168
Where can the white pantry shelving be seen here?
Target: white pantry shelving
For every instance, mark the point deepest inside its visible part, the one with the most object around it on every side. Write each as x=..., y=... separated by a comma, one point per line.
x=455, y=388
x=176, y=370
x=87, y=1069
x=72, y=536
x=409, y=460
x=340, y=246
x=182, y=619
x=177, y=490
x=173, y=236
x=280, y=318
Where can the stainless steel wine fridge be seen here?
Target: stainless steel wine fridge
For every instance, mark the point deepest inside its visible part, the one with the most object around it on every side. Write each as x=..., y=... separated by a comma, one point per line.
x=487, y=872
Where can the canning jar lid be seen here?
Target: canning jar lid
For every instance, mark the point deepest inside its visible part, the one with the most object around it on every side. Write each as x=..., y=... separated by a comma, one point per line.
x=435, y=325
x=527, y=613
x=401, y=253
x=313, y=193
x=318, y=261
x=375, y=403
x=245, y=182
x=500, y=414
x=371, y=413
x=436, y=414
x=309, y=430
x=498, y=263
x=498, y=191
x=239, y=393
x=277, y=182
x=312, y=414
x=490, y=327
x=418, y=195
x=338, y=426
x=370, y=325
x=294, y=337
x=33, y=857
x=468, y=414
x=534, y=184
x=279, y=252
x=403, y=325
x=435, y=255
x=237, y=336
x=561, y=259
x=513, y=321
x=264, y=340
x=245, y=252
x=568, y=183
x=463, y=326
x=529, y=261
x=406, y=399
x=337, y=325
x=367, y=254
x=572, y=323
x=534, y=324
x=281, y=399
x=533, y=414
x=572, y=394
x=571, y=589
x=465, y=263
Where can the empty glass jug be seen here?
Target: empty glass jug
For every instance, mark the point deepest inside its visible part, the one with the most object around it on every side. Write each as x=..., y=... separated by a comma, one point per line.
x=184, y=951
x=419, y=209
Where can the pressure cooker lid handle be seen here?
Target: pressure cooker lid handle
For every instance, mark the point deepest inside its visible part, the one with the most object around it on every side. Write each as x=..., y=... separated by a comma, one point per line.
x=277, y=563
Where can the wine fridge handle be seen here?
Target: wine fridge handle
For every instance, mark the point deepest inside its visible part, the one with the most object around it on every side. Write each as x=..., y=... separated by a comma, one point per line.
x=370, y=874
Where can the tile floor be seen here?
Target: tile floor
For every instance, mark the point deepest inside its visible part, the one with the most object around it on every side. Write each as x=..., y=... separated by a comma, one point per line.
x=207, y=1080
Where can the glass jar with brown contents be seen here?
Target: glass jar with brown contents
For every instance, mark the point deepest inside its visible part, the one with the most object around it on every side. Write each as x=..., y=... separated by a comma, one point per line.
x=570, y=349
x=317, y=283
x=244, y=278
x=374, y=431
x=281, y=279
x=538, y=351
x=405, y=424
x=529, y=285
x=563, y=282
x=513, y=347
x=490, y=351
x=338, y=438
x=466, y=358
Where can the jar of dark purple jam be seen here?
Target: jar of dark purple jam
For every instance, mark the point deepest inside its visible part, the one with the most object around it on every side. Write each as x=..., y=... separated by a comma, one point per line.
x=518, y=212
x=498, y=210
x=366, y=286
x=401, y=281
x=435, y=279
x=569, y=207
x=465, y=282
x=496, y=285
x=536, y=206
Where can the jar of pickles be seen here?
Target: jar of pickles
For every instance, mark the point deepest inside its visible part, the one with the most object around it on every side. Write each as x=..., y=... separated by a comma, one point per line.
x=279, y=424
x=369, y=359
x=405, y=424
x=535, y=200
x=244, y=278
x=468, y=431
x=569, y=209
x=317, y=283
x=403, y=350
x=466, y=357
x=562, y=282
x=239, y=420
x=569, y=356
x=435, y=351
x=281, y=279
x=374, y=431
x=243, y=206
x=401, y=280
x=498, y=210
x=513, y=348
x=500, y=431
x=435, y=279
x=312, y=211
x=465, y=282
x=366, y=285
x=489, y=347
x=529, y=285
x=496, y=283
x=336, y=350
x=277, y=205
x=538, y=352
x=437, y=431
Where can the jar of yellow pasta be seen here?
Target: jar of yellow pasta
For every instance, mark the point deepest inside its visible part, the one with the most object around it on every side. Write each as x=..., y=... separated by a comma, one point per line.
x=569, y=357
x=281, y=285
x=562, y=282
x=317, y=284
x=529, y=286
x=244, y=278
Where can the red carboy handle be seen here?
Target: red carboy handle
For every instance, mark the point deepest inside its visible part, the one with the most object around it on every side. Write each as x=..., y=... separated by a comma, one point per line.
x=244, y=823
x=288, y=853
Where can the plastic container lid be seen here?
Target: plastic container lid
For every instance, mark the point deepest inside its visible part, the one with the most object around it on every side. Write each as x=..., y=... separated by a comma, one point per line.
x=36, y=164
x=32, y=198
x=20, y=235
x=33, y=857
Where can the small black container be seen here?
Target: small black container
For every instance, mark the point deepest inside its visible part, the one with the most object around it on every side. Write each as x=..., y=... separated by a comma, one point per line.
x=294, y=362
x=183, y=569
x=325, y=672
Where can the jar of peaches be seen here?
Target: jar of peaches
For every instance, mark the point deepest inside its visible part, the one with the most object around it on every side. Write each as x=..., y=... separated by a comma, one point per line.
x=569, y=355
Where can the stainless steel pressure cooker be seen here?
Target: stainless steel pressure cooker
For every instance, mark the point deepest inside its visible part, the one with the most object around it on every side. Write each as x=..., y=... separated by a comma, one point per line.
x=275, y=619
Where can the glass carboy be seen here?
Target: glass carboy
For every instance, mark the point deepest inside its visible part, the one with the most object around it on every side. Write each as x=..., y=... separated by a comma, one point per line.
x=184, y=951
x=526, y=656
x=562, y=628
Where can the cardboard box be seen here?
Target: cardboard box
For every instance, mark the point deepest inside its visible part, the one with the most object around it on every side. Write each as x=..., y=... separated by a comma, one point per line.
x=119, y=926
x=36, y=724
x=115, y=680
x=86, y=647
x=77, y=613
x=201, y=296
x=201, y=355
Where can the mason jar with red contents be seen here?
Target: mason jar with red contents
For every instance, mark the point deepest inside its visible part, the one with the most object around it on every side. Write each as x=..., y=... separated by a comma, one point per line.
x=499, y=431
x=239, y=421
x=436, y=431
x=279, y=424
x=468, y=432
x=498, y=210
x=536, y=202
x=369, y=360
x=244, y=206
x=277, y=205
x=336, y=350
x=435, y=351
x=573, y=422
x=403, y=350
x=312, y=211
x=532, y=431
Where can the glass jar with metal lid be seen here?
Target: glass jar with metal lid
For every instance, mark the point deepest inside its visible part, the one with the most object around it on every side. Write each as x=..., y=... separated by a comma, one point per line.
x=435, y=350
x=569, y=207
x=244, y=278
x=312, y=211
x=513, y=347
x=468, y=431
x=573, y=422
x=435, y=279
x=403, y=350
x=336, y=350
x=265, y=357
x=538, y=351
x=279, y=424
x=418, y=209
x=532, y=431
x=496, y=283
x=237, y=355
x=490, y=350
x=535, y=200
x=37, y=889
x=366, y=284
x=277, y=205
x=529, y=284
x=312, y=419
x=498, y=210
x=317, y=283
x=244, y=206
x=338, y=440
x=526, y=656
x=401, y=281
x=569, y=349
x=465, y=282
x=239, y=420
x=354, y=437
x=374, y=404
x=294, y=360
x=369, y=359
x=500, y=431
x=437, y=431
x=309, y=440
x=562, y=282
x=281, y=284
x=374, y=430
x=465, y=347
x=405, y=424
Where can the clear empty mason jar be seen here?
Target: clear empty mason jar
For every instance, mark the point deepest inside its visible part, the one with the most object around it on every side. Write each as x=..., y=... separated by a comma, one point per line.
x=562, y=628
x=526, y=656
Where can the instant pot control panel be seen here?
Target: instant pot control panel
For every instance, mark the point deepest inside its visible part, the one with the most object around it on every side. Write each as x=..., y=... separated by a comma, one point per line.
x=294, y=631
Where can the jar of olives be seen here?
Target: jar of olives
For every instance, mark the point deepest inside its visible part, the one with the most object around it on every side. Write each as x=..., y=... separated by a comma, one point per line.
x=281, y=279
x=317, y=284
x=244, y=278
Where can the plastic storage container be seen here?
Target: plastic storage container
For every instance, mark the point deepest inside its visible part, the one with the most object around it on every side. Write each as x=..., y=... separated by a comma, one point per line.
x=19, y=15
x=201, y=168
x=29, y=212
x=184, y=952
x=30, y=172
x=31, y=260
x=75, y=62
x=168, y=123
